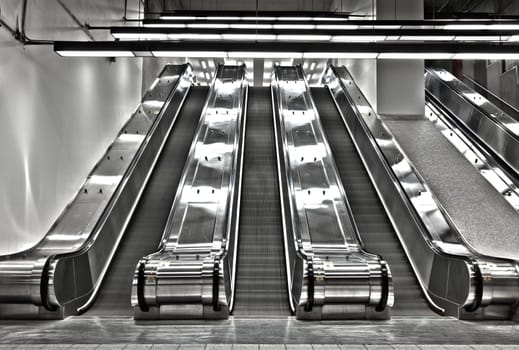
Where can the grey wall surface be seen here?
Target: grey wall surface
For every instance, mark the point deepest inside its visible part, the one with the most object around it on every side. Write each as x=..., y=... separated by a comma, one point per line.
x=400, y=83
x=57, y=116
x=400, y=87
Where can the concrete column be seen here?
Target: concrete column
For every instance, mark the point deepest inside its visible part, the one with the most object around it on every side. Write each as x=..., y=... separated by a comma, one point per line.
x=362, y=70
x=400, y=83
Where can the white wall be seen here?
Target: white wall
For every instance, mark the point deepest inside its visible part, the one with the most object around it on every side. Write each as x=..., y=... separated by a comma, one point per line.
x=57, y=116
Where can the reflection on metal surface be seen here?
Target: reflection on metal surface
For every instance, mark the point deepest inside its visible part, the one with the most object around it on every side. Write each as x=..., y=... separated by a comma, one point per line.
x=479, y=117
x=192, y=274
x=329, y=275
x=485, y=165
x=499, y=102
x=455, y=280
x=62, y=273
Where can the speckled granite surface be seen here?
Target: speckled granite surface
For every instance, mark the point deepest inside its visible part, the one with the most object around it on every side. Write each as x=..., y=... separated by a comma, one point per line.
x=488, y=223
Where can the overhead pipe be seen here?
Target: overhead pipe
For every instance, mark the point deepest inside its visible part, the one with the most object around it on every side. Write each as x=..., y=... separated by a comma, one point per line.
x=84, y=27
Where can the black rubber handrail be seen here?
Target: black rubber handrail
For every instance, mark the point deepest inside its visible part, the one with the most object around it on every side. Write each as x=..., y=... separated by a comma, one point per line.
x=216, y=284
x=385, y=287
x=311, y=286
x=478, y=278
x=44, y=285
x=140, y=288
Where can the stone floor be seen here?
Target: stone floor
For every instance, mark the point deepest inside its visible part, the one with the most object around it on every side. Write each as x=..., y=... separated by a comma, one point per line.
x=119, y=333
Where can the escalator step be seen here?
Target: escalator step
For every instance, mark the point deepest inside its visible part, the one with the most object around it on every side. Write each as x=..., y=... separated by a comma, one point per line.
x=261, y=286
x=369, y=214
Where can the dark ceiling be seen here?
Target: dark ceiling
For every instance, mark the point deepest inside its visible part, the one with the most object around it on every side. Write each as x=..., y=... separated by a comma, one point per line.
x=470, y=8
x=432, y=8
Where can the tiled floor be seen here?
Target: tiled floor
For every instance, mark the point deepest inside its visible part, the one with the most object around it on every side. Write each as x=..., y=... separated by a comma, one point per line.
x=259, y=347
x=247, y=334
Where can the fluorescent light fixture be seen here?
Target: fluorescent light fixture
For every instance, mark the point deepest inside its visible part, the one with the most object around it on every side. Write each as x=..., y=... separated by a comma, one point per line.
x=259, y=18
x=201, y=54
x=253, y=54
x=426, y=37
x=194, y=36
x=294, y=26
x=249, y=36
x=360, y=55
x=178, y=18
x=208, y=25
x=292, y=55
x=250, y=18
x=140, y=36
x=465, y=27
x=503, y=26
x=304, y=37
x=481, y=27
x=415, y=55
x=486, y=56
x=165, y=25
x=294, y=18
x=480, y=38
x=250, y=26
x=331, y=19
x=223, y=18
x=380, y=26
x=92, y=53
x=357, y=38
x=337, y=26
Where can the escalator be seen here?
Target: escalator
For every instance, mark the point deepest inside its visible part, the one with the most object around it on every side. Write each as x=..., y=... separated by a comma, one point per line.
x=374, y=226
x=146, y=227
x=261, y=286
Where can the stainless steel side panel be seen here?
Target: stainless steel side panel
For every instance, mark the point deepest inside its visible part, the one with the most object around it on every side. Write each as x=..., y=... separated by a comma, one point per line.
x=192, y=274
x=62, y=273
x=483, y=120
x=455, y=280
x=330, y=276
